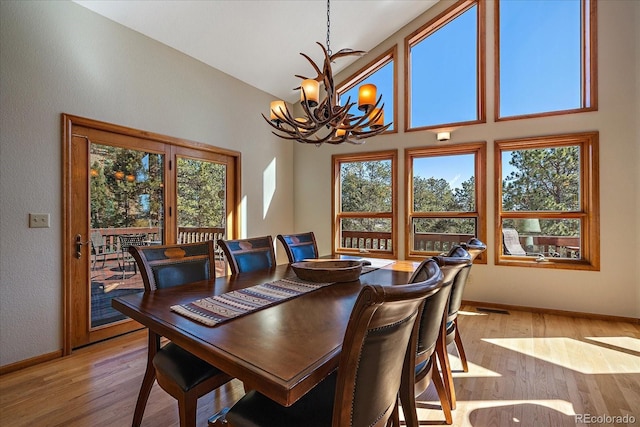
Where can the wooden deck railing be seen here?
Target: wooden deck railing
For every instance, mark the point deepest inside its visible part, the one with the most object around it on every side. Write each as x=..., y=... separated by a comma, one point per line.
x=185, y=235
x=442, y=242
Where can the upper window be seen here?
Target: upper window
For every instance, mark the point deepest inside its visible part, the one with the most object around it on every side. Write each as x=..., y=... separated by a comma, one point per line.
x=445, y=198
x=547, y=201
x=381, y=73
x=546, y=57
x=445, y=69
x=365, y=203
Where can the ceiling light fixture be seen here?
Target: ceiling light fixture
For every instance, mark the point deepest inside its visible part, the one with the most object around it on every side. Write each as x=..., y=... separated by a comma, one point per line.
x=326, y=121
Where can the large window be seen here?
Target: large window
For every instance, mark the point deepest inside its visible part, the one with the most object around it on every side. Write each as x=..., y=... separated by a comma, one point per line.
x=547, y=201
x=545, y=58
x=445, y=69
x=445, y=198
x=382, y=73
x=365, y=203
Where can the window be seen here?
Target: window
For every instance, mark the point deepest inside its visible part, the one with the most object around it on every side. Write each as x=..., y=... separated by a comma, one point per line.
x=446, y=194
x=365, y=203
x=382, y=73
x=445, y=69
x=547, y=201
x=546, y=57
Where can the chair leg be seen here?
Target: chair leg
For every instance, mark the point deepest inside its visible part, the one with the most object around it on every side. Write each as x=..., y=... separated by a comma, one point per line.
x=145, y=389
x=445, y=367
x=148, y=379
x=408, y=401
x=460, y=347
x=187, y=408
x=442, y=394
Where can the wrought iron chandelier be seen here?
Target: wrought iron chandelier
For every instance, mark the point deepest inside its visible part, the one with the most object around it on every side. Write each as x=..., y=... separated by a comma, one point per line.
x=326, y=121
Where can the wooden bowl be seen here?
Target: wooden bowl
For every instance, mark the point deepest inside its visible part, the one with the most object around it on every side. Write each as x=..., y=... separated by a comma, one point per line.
x=328, y=271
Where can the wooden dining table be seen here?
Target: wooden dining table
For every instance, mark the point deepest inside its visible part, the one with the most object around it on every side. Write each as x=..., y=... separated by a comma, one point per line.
x=283, y=350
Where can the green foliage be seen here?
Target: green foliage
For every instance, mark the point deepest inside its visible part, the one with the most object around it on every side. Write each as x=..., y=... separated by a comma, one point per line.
x=201, y=193
x=546, y=179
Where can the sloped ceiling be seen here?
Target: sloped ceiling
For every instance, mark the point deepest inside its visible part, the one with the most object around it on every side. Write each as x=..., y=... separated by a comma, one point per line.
x=259, y=41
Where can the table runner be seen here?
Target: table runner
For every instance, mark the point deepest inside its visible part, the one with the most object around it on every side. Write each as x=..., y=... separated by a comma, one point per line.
x=219, y=308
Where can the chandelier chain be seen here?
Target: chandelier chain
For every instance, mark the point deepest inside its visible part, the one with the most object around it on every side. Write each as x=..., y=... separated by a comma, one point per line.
x=328, y=27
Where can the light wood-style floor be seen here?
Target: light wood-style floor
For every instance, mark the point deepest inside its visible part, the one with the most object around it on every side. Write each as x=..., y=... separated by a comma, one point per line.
x=525, y=369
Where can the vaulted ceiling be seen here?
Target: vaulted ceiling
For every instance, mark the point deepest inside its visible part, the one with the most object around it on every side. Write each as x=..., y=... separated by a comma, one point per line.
x=259, y=41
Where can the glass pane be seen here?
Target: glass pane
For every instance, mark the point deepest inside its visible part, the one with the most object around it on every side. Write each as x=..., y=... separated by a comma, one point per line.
x=540, y=60
x=126, y=196
x=383, y=79
x=444, y=184
x=440, y=234
x=366, y=186
x=366, y=233
x=444, y=74
x=545, y=179
x=202, y=210
x=558, y=238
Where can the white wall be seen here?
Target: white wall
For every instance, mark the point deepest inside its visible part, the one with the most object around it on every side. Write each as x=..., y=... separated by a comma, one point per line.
x=58, y=57
x=615, y=290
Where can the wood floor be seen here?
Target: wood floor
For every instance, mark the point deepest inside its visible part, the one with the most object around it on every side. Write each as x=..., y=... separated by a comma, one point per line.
x=525, y=369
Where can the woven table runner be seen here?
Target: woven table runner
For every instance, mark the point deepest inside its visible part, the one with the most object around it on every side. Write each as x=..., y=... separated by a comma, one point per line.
x=219, y=308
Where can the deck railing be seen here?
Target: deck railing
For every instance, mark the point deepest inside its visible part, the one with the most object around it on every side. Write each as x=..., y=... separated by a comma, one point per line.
x=562, y=246
x=185, y=235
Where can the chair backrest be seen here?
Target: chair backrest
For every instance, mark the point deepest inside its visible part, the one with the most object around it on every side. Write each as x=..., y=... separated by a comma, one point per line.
x=511, y=242
x=246, y=255
x=128, y=240
x=381, y=328
x=97, y=242
x=299, y=246
x=433, y=313
x=457, y=256
x=475, y=247
x=164, y=266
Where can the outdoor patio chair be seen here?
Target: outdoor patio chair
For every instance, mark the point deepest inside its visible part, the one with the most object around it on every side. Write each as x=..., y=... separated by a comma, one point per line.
x=126, y=241
x=99, y=249
x=511, y=244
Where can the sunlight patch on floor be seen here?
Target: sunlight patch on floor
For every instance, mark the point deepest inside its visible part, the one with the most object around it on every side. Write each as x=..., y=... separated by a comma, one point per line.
x=571, y=354
x=628, y=343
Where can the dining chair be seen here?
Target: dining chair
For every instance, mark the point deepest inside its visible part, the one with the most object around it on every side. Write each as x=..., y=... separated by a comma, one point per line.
x=363, y=391
x=299, y=246
x=246, y=255
x=474, y=246
x=178, y=372
x=431, y=337
x=452, y=334
x=126, y=241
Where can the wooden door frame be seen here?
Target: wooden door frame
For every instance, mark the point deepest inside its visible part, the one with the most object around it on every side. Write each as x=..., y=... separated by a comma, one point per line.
x=68, y=196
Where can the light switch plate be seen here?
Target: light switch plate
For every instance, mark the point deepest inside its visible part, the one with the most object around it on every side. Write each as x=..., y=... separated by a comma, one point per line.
x=39, y=220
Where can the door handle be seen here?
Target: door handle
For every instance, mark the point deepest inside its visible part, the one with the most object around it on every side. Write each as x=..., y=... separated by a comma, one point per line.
x=79, y=244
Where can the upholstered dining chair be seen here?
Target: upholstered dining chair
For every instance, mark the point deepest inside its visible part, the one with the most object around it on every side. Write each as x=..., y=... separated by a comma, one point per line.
x=245, y=255
x=364, y=389
x=178, y=372
x=299, y=246
x=452, y=333
x=431, y=336
x=475, y=247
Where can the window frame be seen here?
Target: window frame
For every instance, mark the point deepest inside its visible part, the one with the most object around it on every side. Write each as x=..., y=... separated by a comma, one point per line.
x=589, y=213
x=589, y=64
x=337, y=215
x=479, y=149
x=425, y=31
x=371, y=68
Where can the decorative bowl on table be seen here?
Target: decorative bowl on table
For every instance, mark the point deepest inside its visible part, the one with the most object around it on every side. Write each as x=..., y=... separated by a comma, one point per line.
x=328, y=271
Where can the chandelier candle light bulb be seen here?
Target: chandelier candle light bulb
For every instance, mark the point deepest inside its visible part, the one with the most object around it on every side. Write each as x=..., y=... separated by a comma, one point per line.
x=366, y=97
x=310, y=92
x=278, y=109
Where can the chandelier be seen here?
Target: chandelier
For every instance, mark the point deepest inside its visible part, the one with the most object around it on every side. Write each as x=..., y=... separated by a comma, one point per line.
x=326, y=121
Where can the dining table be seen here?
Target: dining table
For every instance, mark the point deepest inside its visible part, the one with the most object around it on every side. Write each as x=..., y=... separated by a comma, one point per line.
x=283, y=350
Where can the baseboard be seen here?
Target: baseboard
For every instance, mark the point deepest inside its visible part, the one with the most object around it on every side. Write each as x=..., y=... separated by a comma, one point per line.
x=567, y=313
x=12, y=367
